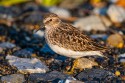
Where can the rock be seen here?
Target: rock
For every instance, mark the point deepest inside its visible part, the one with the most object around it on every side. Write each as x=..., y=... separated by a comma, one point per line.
x=107, y=22
x=14, y=78
x=116, y=13
x=115, y=40
x=83, y=63
x=70, y=80
x=7, y=45
x=100, y=11
x=117, y=73
x=5, y=68
x=61, y=12
x=54, y=76
x=96, y=24
x=121, y=58
x=46, y=49
x=25, y=65
x=95, y=74
x=25, y=53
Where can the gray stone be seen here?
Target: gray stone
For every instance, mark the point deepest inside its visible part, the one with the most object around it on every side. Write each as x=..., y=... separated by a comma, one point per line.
x=70, y=80
x=7, y=45
x=97, y=74
x=26, y=65
x=51, y=76
x=25, y=53
x=14, y=78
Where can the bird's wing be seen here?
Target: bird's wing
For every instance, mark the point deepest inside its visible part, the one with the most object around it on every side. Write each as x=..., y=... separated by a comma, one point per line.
x=69, y=37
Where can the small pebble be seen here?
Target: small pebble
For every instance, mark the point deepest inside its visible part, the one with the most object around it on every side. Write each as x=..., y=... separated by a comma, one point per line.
x=70, y=80
x=117, y=73
x=7, y=45
x=83, y=63
x=116, y=40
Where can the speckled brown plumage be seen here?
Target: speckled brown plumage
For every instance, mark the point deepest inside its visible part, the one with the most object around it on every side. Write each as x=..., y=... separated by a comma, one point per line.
x=67, y=40
x=67, y=36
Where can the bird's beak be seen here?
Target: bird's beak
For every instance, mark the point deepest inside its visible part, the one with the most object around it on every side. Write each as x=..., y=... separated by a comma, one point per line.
x=37, y=28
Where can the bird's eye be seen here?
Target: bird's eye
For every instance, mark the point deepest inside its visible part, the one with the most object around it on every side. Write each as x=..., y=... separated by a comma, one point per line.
x=50, y=20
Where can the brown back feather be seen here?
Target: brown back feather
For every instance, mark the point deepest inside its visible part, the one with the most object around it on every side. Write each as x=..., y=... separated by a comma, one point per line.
x=69, y=37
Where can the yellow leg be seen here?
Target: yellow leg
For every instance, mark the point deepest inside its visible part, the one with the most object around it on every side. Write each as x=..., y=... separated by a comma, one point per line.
x=73, y=67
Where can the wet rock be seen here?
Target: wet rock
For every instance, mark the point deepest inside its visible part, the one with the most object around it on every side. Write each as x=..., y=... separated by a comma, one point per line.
x=96, y=24
x=53, y=76
x=7, y=45
x=25, y=65
x=14, y=78
x=95, y=74
x=25, y=53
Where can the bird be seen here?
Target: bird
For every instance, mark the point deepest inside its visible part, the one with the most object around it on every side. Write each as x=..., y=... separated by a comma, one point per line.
x=67, y=40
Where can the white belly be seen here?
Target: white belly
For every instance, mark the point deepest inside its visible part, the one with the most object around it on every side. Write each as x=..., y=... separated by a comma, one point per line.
x=73, y=54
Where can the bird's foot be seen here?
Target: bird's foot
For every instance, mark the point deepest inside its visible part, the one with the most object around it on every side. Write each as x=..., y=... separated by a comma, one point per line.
x=71, y=71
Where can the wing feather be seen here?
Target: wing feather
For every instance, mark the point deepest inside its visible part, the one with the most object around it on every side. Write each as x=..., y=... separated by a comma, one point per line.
x=69, y=37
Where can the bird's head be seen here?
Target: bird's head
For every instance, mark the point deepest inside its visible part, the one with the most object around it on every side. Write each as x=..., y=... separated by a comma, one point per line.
x=51, y=20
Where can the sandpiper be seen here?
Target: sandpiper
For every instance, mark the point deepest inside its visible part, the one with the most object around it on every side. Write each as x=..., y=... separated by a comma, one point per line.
x=64, y=39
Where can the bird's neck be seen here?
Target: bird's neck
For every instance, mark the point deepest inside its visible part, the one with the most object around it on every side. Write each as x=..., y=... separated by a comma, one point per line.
x=50, y=29
x=48, y=32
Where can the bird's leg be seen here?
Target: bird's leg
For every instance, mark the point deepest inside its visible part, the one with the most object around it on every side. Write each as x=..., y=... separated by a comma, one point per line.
x=73, y=67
